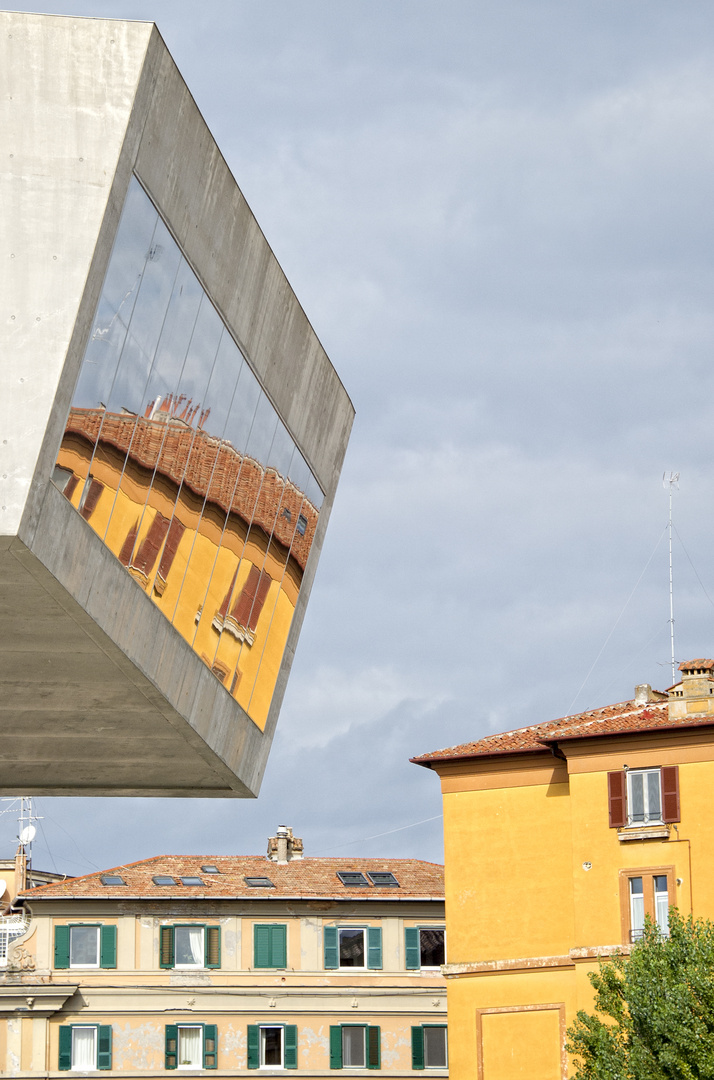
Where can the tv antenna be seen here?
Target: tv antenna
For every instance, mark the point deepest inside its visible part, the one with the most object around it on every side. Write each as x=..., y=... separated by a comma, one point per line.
x=27, y=830
x=670, y=482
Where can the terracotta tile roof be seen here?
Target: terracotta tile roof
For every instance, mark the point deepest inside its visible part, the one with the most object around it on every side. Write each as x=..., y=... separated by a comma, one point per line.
x=619, y=719
x=692, y=665
x=303, y=878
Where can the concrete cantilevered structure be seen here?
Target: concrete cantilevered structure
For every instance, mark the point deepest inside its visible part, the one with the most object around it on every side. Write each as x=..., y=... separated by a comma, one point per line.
x=171, y=438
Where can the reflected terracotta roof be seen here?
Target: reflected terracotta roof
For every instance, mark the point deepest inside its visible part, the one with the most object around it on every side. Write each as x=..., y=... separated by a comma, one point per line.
x=692, y=665
x=619, y=719
x=304, y=878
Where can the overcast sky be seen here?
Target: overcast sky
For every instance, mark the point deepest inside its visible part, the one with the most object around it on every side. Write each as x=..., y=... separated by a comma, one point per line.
x=497, y=217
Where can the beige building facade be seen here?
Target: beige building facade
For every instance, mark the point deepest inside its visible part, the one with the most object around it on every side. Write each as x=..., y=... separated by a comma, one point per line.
x=232, y=965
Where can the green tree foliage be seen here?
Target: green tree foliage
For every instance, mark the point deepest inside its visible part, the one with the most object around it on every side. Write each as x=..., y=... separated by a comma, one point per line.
x=654, y=1016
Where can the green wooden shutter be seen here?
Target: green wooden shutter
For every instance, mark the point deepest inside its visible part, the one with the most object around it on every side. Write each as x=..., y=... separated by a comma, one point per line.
x=108, y=947
x=278, y=946
x=290, y=1046
x=212, y=938
x=373, y=1048
x=62, y=948
x=65, y=1046
x=171, y=1046
x=335, y=1042
x=253, y=1046
x=261, y=946
x=332, y=959
x=210, y=1046
x=104, y=1045
x=412, y=952
x=166, y=946
x=417, y=1048
x=374, y=947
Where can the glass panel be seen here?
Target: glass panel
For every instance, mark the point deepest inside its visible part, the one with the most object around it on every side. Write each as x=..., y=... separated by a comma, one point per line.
x=432, y=948
x=353, y=1047
x=176, y=458
x=435, y=1047
x=84, y=946
x=637, y=909
x=654, y=796
x=190, y=1048
x=351, y=948
x=661, y=904
x=637, y=797
x=188, y=946
x=272, y=1046
x=84, y=1048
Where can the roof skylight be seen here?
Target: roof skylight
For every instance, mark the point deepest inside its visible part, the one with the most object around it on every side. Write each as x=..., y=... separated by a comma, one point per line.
x=163, y=879
x=259, y=882
x=384, y=879
x=353, y=879
x=112, y=879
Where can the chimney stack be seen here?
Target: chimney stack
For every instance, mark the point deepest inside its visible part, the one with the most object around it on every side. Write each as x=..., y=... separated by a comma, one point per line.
x=694, y=695
x=284, y=847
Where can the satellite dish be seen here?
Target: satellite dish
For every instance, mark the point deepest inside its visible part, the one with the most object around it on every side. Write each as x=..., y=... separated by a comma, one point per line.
x=3, y=887
x=27, y=835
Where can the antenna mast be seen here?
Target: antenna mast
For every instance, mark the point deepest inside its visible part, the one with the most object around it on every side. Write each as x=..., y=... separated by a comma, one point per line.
x=671, y=482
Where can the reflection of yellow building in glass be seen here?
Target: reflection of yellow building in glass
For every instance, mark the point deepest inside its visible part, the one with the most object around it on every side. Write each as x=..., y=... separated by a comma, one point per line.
x=188, y=474
x=216, y=539
x=559, y=839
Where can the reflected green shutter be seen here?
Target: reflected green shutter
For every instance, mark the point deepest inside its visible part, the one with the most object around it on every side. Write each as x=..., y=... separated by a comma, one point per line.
x=411, y=949
x=212, y=937
x=278, y=946
x=290, y=1046
x=253, y=1046
x=104, y=1046
x=62, y=947
x=108, y=947
x=374, y=947
x=417, y=1048
x=335, y=1045
x=331, y=957
x=65, y=1047
x=373, y=1048
x=171, y=1046
x=166, y=946
x=210, y=1046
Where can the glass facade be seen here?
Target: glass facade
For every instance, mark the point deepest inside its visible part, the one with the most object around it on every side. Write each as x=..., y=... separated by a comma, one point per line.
x=176, y=458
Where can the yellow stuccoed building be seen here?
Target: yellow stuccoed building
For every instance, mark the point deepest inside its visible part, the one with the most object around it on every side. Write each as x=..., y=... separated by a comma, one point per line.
x=559, y=839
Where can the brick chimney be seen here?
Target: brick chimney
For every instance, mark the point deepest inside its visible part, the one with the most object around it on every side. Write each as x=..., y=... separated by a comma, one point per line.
x=284, y=847
x=695, y=693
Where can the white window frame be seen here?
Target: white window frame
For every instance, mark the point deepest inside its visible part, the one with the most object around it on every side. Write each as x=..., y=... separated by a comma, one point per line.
x=657, y=895
x=365, y=946
x=352, y=1027
x=428, y=929
x=11, y=928
x=436, y=1027
x=98, y=932
x=189, y=1027
x=85, y=1027
x=647, y=774
x=190, y=926
x=636, y=932
x=261, y=1045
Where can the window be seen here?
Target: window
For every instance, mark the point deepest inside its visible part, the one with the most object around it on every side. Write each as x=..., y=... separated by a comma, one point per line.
x=424, y=947
x=112, y=879
x=85, y=946
x=354, y=1046
x=11, y=927
x=429, y=1047
x=258, y=883
x=85, y=1047
x=210, y=869
x=643, y=796
x=163, y=879
x=191, y=1046
x=301, y=524
x=272, y=1046
x=270, y=945
x=189, y=946
x=191, y=881
x=353, y=879
x=646, y=892
x=353, y=947
x=384, y=879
